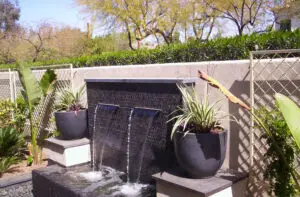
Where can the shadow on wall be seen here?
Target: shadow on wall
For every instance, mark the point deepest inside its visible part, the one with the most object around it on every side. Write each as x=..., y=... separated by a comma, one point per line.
x=239, y=158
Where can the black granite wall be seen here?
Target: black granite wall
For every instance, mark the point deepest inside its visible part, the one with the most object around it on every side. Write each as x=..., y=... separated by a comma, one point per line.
x=159, y=94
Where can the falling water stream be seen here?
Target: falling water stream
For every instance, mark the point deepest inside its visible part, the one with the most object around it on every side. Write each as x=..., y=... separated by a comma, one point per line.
x=111, y=109
x=150, y=114
x=93, y=138
x=119, y=188
x=128, y=144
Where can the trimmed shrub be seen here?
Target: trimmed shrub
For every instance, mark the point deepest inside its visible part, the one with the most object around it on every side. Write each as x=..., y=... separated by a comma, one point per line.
x=232, y=48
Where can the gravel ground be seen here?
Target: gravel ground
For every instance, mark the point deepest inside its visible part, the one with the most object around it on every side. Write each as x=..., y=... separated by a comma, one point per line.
x=18, y=190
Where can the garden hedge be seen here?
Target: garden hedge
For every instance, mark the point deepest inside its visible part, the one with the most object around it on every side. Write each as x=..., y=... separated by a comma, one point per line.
x=232, y=48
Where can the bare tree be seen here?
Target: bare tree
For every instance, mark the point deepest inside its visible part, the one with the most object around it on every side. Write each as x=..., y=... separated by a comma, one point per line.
x=38, y=37
x=241, y=12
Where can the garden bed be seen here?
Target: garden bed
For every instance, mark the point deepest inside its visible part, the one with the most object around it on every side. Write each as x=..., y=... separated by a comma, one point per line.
x=21, y=168
x=17, y=180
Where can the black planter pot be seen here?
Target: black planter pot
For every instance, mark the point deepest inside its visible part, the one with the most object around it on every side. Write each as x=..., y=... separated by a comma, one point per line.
x=201, y=155
x=71, y=125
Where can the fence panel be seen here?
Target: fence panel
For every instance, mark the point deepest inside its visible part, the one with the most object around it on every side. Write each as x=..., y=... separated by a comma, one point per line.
x=270, y=72
x=6, y=85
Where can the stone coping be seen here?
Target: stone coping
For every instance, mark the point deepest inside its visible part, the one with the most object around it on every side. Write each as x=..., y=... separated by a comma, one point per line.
x=205, y=187
x=143, y=80
x=67, y=143
x=5, y=182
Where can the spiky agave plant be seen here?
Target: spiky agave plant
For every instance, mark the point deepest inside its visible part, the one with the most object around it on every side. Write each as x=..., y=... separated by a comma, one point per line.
x=196, y=115
x=68, y=100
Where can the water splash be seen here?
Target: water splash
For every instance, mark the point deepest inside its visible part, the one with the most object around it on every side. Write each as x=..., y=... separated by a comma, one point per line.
x=129, y=189
x=92, y=176
x=128, y=144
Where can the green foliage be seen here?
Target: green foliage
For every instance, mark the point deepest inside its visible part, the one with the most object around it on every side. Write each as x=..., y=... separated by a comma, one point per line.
x=47, y=82
x=291, y=114
x=20, y=114
x=13, y=114
x=34, y=93
x=277, y=173
x=12, y=145
x=6, y=111
x=232, y=48
x=29, y=160
x=108, y=43
x=68, y=100
x=6, y=163
x=195, y=115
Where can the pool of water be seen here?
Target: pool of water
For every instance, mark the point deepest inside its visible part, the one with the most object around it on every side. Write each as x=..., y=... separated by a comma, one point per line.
x=107, y=182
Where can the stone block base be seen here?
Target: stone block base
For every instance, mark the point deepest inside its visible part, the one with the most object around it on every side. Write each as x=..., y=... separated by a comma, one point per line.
x=68, y=152
x=224, y=184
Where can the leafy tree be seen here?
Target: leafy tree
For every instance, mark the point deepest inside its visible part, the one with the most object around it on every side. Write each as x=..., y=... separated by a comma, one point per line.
x=108, y=43
x=9, y=15
x=139, y=18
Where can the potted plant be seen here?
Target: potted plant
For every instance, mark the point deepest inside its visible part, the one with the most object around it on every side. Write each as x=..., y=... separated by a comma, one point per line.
x=70, y=115
x=199, y=139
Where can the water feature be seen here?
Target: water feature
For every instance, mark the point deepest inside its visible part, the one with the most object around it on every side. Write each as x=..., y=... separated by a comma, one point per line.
x=139, y=114
x=133, y=141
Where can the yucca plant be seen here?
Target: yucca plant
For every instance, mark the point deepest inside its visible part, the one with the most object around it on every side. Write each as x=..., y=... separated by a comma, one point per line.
x=196, y=115
x=12, y=146
x=68, y=100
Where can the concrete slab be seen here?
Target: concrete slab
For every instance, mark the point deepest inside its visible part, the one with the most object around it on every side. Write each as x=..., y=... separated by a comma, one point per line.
x=223, y=184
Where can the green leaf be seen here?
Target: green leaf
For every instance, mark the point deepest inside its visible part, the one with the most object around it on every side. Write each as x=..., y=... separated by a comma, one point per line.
x=32, y=91
x=291, y=114
x=48, y=81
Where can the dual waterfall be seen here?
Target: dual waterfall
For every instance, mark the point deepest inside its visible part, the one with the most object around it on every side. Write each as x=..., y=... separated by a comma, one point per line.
x=139, y=125
x=128, y=143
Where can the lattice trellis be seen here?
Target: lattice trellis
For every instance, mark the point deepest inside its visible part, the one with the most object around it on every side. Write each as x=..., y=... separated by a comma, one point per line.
x=270, y=72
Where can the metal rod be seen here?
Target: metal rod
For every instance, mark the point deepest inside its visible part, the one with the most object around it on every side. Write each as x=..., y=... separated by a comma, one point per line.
x=263, y=52
x=147, y=108
x=252, y=109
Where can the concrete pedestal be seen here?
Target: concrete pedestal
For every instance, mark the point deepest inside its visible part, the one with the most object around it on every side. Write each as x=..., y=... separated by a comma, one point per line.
x=68, y=152
x=224, y=184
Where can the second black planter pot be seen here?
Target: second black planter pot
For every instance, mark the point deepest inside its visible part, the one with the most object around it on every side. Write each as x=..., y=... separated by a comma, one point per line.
x=201, y=155
x=71, y=125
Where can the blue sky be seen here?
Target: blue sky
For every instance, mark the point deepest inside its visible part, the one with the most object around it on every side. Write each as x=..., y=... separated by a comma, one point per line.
x=66, y=12
x=60, y=12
